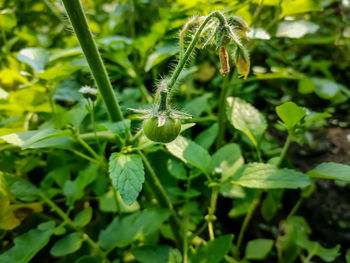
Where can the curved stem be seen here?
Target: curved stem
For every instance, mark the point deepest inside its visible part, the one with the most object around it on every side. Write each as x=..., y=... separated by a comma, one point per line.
x=80, y=25
x=192, y=45
x=246, y=221
x=285, y=149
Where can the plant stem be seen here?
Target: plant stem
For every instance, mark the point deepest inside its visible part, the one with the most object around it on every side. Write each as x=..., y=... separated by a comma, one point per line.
x=102, y=135
x=221, y=111
x=211, y=212
x=79, y=22
x=185, y=221
x=285, y=148
x=192, y=45
x=82, y=155
x=68, y=221
x=88, y=148
x=246, y=221
x=163, y=200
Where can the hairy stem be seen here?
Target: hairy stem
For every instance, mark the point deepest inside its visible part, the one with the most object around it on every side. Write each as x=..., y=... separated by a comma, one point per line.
x=221, y=111
x=192, y=45
x=80, y=25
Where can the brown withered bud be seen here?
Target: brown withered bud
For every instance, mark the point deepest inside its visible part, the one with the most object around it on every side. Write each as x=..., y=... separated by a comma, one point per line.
x=224, y=61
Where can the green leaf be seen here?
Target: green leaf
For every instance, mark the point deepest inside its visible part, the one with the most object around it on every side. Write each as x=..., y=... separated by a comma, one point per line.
x=120, y=128
x=207, y=137
x=24, y=190
x=8, y=19
x=177, y=169
x=347, y=256
x=39, y=139
x=88, y=259
x=136, y=225
x=127, y=174
x=29, y=244
x=268, y=176
x=286, y=242
x=74, y=190
x=197, y=106
x=330, y=170
x=271, y=204
x=326, y=89
x=159, y=254
x=190, y=152
x=290, y=113
x=67, y=245
x=227, y=160
x=214, y=251
x=59, y=72
x=314, y=248
x=34, y=57
x=244, y=117
x=296, y=29
x=258, y=249
x=160, y=54
x=83, y=217
x=292, y=7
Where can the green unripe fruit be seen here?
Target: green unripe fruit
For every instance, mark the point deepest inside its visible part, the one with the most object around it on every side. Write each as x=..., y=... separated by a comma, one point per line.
x=165, y=133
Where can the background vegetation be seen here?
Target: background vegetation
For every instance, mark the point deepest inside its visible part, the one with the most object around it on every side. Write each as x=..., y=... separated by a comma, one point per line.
x=57, y=202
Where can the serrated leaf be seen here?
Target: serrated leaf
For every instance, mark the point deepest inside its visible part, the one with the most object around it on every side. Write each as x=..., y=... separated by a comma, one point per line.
x=190, y=152
x=246, y=118
x=268, y=176
x=290, y=113
x=67, y=245
x=227, y=160
x=28, y=244
x=34, y=57
x=330, y=170
x=214, y=251
x=130, y=227
x=258, y=249
x=83, y=217
x=127, y=174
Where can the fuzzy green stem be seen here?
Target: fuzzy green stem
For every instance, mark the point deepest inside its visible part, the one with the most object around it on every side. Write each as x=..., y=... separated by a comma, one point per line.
x=163, y=101
x=80, y=25
x=163, y=200
x=285, y=148
x=192, y=45
x=246, y=221
x=221, y=112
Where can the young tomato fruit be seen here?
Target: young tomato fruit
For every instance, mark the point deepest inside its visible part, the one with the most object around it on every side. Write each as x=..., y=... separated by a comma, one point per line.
x=164, y=133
